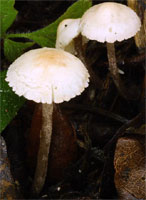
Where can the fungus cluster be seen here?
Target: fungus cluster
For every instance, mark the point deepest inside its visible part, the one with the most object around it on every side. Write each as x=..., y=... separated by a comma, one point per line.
x=105, y=22
x=49, y=75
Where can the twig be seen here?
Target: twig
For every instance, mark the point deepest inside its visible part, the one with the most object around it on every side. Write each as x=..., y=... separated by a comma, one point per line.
x=96, y=110
x=122, y=130
x=134, y=59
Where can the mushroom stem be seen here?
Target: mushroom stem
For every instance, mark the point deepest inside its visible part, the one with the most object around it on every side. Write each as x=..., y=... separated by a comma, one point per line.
x=115, y=72
x=45, y=141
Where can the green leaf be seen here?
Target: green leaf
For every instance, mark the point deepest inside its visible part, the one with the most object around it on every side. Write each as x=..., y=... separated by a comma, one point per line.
x=13, y=50
x=7, y=15
x=10, y=103
x=47, y=36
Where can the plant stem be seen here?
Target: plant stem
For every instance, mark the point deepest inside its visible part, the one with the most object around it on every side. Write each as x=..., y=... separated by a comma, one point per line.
x=114, y=71
x=45, y=140
x=140, y=40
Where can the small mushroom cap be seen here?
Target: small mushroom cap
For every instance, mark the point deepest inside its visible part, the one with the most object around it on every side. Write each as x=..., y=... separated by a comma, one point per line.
x=47, y=75
x=67, y=30
x=110, y=22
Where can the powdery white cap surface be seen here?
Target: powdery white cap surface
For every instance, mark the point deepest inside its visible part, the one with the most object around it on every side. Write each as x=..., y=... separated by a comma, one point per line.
x=110, y=22
x=67, y=30
x=47, y=75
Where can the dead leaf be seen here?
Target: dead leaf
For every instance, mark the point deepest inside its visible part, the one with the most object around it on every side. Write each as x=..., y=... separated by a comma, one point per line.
x=63, y=150
x=7, y=186
x=129, y=163
x=33, y=138
x=63, y=147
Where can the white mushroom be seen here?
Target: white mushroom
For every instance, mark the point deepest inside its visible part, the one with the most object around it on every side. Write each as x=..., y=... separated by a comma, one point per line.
x=69, y=39
x=110, y=22
x=67, y=30
x=47, y=75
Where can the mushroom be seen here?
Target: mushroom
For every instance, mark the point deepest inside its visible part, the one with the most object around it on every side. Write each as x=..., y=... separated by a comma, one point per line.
x=47, y=75
x=67, y=30
x=110, y=22
x=69, y=39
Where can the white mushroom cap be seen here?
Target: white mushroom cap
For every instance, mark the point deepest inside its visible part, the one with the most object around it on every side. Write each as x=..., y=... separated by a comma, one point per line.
x=47, y=75
x=110, y=22
x=67, y=30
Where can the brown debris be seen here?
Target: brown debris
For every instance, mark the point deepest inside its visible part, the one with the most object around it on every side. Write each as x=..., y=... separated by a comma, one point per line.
x=7, y=186
x=140, y=36
x=129, y=163
x=33, y=137
x=63, y=150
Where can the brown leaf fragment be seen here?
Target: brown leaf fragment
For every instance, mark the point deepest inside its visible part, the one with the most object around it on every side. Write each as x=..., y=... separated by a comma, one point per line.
x=63, y=150
x=7, y=186
x=33, y=139
x=136, y=5
x=124, y=195
x=129, y=163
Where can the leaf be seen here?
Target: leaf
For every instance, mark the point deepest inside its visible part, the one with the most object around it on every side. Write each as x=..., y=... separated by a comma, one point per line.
x=8, y=15
x=47, y=36
x=13, y=50
x=63, y=150
x=10, y=102
x=7, y=184
x=129, y=163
